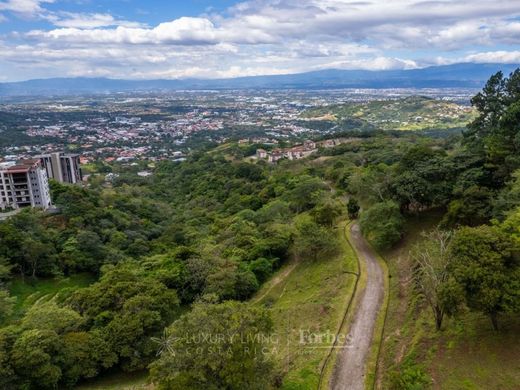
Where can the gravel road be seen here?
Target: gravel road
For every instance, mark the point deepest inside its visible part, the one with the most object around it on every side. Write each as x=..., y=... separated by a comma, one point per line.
x=350, y=370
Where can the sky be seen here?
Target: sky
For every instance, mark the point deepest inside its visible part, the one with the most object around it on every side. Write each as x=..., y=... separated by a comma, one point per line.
x=152, y=39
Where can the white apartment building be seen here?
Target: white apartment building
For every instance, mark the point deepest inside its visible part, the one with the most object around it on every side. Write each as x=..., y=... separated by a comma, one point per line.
x=62, y=167
x=24, y=184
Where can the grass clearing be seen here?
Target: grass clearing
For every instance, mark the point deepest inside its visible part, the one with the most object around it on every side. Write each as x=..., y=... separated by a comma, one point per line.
x=28, y=291
x=118, y=381
x=312, y=299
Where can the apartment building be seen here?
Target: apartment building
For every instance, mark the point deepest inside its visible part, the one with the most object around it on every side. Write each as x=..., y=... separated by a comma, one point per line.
x=62, y=167
x=24, y=184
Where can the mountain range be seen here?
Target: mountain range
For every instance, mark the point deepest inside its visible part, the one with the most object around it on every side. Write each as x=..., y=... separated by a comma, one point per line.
x=463, y=75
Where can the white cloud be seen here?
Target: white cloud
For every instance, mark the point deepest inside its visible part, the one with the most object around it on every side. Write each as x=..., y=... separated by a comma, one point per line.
x=502, y=57
x=375, y=63
x=90, y=21
x=182, y=31
x=28, y=8
x=268, y=37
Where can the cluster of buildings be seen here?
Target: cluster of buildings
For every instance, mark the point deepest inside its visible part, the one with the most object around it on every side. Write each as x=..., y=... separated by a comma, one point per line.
x=25, y=183
x=298, y=151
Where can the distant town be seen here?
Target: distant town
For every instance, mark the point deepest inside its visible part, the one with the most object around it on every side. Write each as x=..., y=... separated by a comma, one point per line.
x=124, y=127
x=53, y=139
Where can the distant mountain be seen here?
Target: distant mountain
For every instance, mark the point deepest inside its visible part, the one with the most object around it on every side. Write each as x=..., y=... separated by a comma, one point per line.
x=464, y=75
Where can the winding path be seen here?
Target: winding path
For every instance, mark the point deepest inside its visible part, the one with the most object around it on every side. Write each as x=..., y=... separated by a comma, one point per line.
x=350, y=370
x=277, y=280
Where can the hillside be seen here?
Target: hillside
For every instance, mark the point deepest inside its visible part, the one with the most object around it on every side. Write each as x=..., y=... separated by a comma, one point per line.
x=413, y=113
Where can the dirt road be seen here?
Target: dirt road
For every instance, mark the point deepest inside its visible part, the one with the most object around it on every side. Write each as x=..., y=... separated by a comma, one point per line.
x=350, y=370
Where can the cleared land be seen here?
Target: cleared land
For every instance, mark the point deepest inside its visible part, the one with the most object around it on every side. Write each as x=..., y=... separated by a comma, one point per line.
x=29, y=292
x=312, y=299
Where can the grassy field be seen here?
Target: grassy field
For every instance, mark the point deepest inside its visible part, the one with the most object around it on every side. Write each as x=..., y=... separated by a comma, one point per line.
x=118, y=381
x=465, y=354
x=311, y=298
x=28, y=291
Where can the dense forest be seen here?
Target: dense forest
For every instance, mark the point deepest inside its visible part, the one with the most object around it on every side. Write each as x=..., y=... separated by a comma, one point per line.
x=185, y=249
x=208, y=229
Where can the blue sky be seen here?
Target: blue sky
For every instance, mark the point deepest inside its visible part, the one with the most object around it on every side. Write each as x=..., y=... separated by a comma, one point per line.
x=138, y=39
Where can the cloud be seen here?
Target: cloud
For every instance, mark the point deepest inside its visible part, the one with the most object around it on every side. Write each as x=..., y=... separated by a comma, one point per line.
x=502, y=57
x=89, y=21
x=182, y=31
x=376, y=63
x=27, y=8
x=266, y=37
x=396, y=24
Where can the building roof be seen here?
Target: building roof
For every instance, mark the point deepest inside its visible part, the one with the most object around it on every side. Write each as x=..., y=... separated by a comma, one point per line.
x=22, y=166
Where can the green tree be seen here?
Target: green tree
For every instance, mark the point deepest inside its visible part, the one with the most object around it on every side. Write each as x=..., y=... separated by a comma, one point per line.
x=327, y=211
x=382, y=224
x=509, y=198
x=6, y=305
x=36, y=357
x=486, y=265
x=216, y=346
x=50, y=316
x=306, y=193
x=371, y=183
x=353, y=208
x=495, y=132
x=7, y=374
x=314, y=241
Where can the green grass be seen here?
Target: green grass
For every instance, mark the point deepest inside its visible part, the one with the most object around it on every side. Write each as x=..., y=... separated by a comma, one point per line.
x=118, y=381
x=28, y=291
x=465, y=354
x=360, y=268
x=312, y=298
x=470, y=355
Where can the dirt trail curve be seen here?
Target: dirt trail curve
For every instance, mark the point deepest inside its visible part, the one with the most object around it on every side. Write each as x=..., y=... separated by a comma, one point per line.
x=277, y=280
x=350, y=370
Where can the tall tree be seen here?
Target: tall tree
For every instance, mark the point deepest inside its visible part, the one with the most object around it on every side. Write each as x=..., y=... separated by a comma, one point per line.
x=314, y=241
x=431, y=260
x=486, y=265
x=382, y=224
x=216, y=346
x=495, y=132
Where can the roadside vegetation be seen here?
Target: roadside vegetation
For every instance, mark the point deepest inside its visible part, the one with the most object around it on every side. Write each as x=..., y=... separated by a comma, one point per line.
x=462, y=268
x=311, y=299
